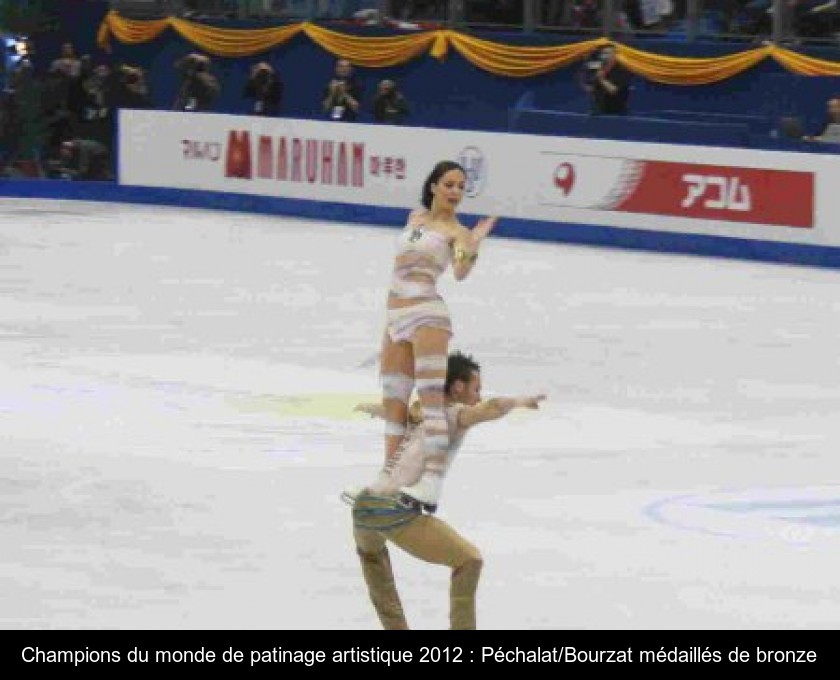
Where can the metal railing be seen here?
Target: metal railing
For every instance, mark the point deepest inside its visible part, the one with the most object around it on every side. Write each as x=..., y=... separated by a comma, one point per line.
x=776, y=20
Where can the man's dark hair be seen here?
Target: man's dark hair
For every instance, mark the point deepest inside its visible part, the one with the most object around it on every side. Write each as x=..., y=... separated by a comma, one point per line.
x=459, y=367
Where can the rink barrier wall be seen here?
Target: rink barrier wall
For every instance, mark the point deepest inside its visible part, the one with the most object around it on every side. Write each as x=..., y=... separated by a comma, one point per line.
x=578, y=234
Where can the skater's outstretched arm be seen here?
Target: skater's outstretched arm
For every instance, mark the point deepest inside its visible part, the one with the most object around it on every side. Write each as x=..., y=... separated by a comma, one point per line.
x=495, y=408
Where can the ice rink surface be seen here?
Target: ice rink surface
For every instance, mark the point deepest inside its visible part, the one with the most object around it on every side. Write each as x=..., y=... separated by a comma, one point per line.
x=176, y=395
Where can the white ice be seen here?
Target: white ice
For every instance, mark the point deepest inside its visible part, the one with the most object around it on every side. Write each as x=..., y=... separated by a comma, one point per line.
x=176, y=394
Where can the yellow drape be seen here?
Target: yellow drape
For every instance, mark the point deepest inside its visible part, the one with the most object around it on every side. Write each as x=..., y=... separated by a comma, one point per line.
x=688, y=71
x=129, y=31
x=516, y=61
x=806, y=66
x=225, y=42
x=512, y=61
x=371, y=52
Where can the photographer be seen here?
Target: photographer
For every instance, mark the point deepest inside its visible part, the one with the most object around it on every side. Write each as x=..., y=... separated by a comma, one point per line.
x=131, y=91
x=608, y=83
x=343, y=95
x=199, y=88
x=265, y=88
x=95, y=113
x=81, y=159
x=389, y=105
x=21, y=126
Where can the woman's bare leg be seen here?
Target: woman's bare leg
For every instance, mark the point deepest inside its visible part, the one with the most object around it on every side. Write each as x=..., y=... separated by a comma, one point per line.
x=397, y=375
x=431, y=346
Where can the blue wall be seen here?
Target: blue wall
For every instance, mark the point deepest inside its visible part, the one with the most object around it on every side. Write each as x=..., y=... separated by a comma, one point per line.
x=454, y=93
x=451, y=94
x=592, y=235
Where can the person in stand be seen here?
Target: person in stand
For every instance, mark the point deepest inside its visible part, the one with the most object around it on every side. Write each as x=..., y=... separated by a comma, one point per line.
x=344, y=94
x=608, y=84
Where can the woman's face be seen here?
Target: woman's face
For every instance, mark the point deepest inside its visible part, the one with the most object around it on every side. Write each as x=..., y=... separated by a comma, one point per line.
x=449, y=189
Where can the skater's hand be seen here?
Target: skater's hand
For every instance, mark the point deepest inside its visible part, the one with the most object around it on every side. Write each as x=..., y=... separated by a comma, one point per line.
x=483, y=228
x=533, y=402
x=373, y=410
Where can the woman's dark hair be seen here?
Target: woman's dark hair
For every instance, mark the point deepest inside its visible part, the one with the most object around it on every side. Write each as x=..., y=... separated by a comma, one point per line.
x=434, y=177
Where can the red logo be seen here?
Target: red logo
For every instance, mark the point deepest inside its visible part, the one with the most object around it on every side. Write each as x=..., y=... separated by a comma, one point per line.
x=238, y=157
x=564, y=178
x=292, y=159
x=753, y=195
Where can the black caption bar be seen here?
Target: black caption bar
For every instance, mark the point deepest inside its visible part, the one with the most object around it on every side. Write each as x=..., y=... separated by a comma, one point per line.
x=316, y=651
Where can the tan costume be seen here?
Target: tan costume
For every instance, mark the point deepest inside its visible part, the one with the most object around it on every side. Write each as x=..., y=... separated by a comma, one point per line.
x=378, y=517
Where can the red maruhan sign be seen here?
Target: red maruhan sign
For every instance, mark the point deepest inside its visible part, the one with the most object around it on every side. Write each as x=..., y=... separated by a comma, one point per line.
x=295, y=159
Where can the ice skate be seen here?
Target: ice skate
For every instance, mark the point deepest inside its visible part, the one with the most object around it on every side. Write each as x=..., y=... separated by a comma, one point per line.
x=351, y=493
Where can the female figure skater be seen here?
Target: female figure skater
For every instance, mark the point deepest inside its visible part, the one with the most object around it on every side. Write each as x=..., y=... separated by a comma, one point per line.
x=418, y=329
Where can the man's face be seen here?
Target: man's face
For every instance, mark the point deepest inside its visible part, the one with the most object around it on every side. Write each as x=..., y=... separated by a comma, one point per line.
x=834, y=109
x=608, y=55
x=343, y=69
x=469, y=392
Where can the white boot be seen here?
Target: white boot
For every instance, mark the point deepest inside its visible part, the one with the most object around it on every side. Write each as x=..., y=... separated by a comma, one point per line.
x=383, y=478
x=425, y=491
x=350, y=494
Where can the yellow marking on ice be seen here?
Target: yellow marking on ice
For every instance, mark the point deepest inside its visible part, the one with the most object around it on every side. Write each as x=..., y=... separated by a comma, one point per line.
x=332, y=406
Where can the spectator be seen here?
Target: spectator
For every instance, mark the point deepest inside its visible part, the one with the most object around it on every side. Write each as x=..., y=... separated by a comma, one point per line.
x=832, y=118
x=68, y=64
x=95, y=115
x=22, y=125
x=199, y=88
x=265, y=88
x=608, y=83
x=130, y=89
x=586, y=14
x=389, y=105
x=341, y=100
x=813, y=18
x=81, y=159
x=58, y=120
x=757, y=17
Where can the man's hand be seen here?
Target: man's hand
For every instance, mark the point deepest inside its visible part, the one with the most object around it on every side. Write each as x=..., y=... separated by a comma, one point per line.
x=531, y=402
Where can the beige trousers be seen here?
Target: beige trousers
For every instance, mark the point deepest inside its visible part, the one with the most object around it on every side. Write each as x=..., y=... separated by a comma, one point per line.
x=429, y=539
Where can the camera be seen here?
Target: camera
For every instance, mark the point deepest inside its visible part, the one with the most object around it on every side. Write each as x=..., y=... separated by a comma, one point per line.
x=591, y=68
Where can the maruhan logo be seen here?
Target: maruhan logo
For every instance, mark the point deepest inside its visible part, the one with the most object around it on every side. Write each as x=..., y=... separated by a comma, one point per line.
x=475, y=165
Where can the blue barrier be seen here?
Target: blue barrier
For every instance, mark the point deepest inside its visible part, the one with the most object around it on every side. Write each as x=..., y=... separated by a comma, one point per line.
x=756, y=124
x=583, y=234
x=632, y=128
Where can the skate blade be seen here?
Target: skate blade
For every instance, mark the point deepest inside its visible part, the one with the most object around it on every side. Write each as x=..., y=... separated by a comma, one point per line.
x=411, y=503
